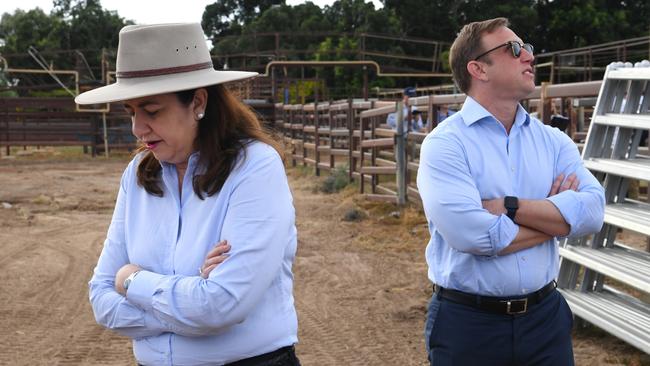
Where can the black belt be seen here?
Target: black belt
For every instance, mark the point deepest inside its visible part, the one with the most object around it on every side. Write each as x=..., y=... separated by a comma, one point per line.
x=266, y=357
x=499, y=305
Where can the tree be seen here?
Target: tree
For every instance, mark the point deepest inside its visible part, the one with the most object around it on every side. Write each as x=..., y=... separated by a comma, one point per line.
x=71, y=37
x=22, y=29
x=228, y=17
x=442, y=19
x=578, y=23
x=90, y=25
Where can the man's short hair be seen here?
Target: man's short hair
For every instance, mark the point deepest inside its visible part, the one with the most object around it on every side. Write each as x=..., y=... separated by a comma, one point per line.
x=467, y=46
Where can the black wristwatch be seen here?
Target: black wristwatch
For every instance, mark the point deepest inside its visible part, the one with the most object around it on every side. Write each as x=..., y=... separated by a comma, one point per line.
x=511, y=204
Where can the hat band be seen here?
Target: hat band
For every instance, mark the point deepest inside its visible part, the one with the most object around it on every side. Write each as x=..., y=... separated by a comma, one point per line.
x=163, y=71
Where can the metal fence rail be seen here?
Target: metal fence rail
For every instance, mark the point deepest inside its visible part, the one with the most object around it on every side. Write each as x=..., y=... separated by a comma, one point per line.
x=56, y=122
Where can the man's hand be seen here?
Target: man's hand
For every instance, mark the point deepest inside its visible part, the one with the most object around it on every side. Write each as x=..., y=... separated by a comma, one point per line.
x=215, y=257
x=495, y=207
x=122, y=274
x=560, y=184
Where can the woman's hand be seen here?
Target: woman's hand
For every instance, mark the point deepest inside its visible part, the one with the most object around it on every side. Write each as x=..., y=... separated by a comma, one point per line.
x=217, y=255
x=122, y=274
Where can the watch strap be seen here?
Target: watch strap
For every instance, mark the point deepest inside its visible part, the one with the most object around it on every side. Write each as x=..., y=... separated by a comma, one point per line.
x=511, y=203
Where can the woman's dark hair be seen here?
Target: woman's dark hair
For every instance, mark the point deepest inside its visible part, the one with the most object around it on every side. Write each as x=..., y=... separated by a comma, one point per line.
x=228, y=125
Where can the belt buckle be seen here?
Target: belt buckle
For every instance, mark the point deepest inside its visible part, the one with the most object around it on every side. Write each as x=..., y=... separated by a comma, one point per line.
x=517, y=308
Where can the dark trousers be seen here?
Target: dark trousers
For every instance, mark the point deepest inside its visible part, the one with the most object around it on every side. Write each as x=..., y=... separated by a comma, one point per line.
x=285, y=356
x=458, y=334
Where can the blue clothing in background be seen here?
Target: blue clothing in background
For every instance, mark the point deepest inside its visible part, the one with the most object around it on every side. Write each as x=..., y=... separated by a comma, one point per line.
x=245, y=307
x=416, y=120
x=442, y=116
x=468, y=158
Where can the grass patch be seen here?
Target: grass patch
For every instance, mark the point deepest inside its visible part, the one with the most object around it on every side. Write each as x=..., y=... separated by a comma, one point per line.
x=336, y=181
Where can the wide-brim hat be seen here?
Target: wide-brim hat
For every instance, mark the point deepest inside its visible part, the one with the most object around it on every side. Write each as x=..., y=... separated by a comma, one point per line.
x=160, y=58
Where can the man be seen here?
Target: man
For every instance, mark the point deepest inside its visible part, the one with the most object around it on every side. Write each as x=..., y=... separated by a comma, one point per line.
x=416, y=115
x=498, y=187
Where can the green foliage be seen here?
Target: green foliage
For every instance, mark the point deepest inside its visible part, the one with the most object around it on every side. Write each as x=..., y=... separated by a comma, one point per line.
x=228, y=17
x=354, y=214
x=22, y=29
x=60, y=93
x=303, y=91
x=444, y=56
x=569, y=24
x=72, y=24
x=550, y=25
x=93, y=27
x=337, y=180
x=8, y=94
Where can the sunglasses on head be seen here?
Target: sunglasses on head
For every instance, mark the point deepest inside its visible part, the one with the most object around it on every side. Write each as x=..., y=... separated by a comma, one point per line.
x=514, y=46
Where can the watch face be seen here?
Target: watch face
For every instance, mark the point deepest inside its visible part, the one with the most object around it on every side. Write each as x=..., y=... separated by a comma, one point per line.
x=511, y=202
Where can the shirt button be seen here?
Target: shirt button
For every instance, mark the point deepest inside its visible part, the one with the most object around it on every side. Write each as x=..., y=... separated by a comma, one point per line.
x=513, y=169
x=523, y=259
x=523, y=290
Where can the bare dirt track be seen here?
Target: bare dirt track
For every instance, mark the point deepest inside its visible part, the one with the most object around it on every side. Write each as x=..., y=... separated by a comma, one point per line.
x=360, y=287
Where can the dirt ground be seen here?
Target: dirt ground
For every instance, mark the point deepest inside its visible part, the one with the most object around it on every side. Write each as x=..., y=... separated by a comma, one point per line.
x=360, y=287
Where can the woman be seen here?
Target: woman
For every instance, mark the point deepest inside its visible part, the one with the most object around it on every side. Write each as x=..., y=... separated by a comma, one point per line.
x=207, y=173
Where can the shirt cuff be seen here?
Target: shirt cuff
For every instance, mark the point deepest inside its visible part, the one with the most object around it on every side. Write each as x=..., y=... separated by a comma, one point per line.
x=142, y=288
x=569, y=206
x=502, y=233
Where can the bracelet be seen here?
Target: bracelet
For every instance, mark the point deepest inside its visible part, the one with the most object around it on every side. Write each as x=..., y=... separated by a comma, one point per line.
x=127, y=281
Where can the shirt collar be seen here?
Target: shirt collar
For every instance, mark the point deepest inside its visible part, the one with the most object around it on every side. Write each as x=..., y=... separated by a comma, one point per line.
x=191, y=161
x=473, y=112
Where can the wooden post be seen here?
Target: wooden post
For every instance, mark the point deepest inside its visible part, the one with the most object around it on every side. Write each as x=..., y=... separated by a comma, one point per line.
x=293, y=136
x=432, y=114
x=105, y=134
x=316, y=133
x=400, y=155
x=350, y=123
x=365, y=83
x=6, y=115
x=303, y=122
x=544, y=104
x=552, y=69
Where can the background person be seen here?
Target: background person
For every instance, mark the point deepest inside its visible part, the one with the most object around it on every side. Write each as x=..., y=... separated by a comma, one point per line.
x=416, y=123
x=208, y=173
x=498, y=187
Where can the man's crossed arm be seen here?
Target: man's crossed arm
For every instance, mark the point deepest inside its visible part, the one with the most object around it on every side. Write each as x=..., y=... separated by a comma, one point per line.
x=538, y=220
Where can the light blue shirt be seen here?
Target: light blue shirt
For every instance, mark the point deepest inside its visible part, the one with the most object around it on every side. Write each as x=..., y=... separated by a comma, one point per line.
x=468, y=158
x=416, y=120
x=245, y=307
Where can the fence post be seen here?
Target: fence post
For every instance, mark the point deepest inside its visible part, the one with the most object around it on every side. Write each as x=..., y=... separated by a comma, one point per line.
x=105, y=134
x=400, y=155
x=545, y=104
x=350, y=123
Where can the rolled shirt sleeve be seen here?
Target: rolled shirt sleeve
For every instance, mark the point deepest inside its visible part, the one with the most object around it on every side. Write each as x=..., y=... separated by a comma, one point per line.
x=453, y=204
x=583, y=210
